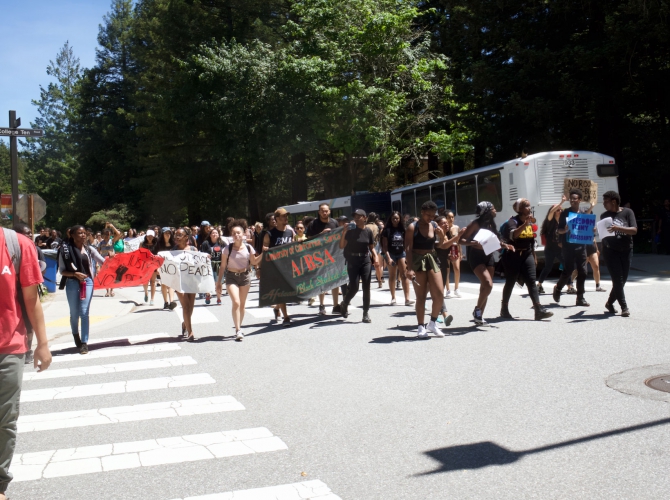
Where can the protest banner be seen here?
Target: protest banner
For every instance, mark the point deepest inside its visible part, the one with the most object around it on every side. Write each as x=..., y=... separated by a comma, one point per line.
x=187, y=271
x=127, y=269
x=133, y=244
x=588, y=187
x=581, y=228
x=301, y=270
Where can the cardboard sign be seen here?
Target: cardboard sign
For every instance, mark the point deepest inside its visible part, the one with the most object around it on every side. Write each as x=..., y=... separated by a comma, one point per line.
x=127, y=269
x=581, y=228
x=133, y=244
x=186, y=271
x=588, y=187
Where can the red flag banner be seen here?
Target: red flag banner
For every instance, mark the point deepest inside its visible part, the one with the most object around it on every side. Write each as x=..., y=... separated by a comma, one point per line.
x=127, y=269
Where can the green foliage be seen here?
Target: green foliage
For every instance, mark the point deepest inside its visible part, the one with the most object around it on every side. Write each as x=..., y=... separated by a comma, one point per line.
x=119, y=215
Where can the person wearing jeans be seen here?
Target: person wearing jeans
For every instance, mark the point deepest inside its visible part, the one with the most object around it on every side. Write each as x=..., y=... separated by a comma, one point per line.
x=77, y=261
x=618, y=249
x=20, y=310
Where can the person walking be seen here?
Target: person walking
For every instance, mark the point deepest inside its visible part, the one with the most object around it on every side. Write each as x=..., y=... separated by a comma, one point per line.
x=574, y=254
x=237, y=259
x=481, y=264
x=76, y=262
x=358, y=244
x=165, y=244
x=20, y=312
x=213, y=245
x=371, y=224
x=552, y=244
x=186, y=299
x=454, y=257
x=324, y=223
x=150, y=243
x=443, y=253
x=618, y=249
x=110, y=237
x=393, y=246
x=521, y=261
x=279, y=234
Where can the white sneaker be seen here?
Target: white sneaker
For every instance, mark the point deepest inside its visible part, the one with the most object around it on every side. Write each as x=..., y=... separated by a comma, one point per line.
x=393, y=302
x=433, y=328
x=447, y=295
x=239, y=336
x=422, y=333
x=151, y=303
x=409, y=303
x=457, y=293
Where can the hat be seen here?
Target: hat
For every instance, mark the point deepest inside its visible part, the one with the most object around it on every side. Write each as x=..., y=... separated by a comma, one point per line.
x=166, y=230
x=205, y=223
x=483, y=209
x=342, y=218
x=151, y=232
x=281, y=211
x=358, y=211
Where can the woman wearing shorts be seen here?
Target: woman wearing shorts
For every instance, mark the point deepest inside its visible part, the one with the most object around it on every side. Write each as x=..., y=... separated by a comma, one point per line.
x=444, y=261
x=393, y=246
x=454, y=256
x=237, y=259
x=187, y=300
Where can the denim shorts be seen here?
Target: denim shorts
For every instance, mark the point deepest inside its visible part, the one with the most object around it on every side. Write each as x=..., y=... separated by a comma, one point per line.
x=395, y=257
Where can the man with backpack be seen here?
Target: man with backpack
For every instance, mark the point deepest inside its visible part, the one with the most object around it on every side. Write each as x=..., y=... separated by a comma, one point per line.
x=20, y=311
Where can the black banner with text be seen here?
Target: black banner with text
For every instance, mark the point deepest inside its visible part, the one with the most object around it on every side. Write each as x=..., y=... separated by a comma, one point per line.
x=301, y=270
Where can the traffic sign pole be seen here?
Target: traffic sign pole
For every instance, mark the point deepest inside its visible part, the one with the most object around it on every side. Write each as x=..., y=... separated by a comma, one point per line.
x=31, y=214
x=14, y=163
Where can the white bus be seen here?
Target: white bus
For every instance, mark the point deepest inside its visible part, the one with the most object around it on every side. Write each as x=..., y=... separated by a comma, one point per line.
x=538, y=177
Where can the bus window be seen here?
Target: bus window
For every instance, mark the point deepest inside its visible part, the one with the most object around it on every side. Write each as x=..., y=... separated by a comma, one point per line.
x=466, y=196
x=437, y=195
x=450, y=196
x=490, y=189
x=408, y=205
x=395, y=206
x=422, y=196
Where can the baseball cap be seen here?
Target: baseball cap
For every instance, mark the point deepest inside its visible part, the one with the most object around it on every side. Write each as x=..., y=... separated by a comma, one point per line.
x=166, y=230
x=281, y=211
x=205, y=223
x=358, y=211
x=151, y=232
x=342, y=218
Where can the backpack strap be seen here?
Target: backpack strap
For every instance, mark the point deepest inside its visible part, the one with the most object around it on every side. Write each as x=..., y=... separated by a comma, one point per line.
x=12, y=242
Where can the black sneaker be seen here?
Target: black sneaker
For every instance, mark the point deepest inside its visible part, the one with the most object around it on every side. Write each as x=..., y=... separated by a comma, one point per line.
x=557, y=295
x=286, y=322
x=344, y=310
x=166, y=307
x=83, y=349
x=582, y=302
x=625, y=312
x=477, y=314
x=610, y=308
x=172, y=305
x=366, y=318
x=337, y=309
x=540, y=288
x=322, y=310
x=542, y=313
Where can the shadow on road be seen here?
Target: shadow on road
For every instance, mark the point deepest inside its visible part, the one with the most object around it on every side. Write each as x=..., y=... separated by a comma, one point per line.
x=484, y=454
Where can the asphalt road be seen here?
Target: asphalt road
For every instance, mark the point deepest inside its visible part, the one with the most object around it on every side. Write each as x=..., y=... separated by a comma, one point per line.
x=518, y=409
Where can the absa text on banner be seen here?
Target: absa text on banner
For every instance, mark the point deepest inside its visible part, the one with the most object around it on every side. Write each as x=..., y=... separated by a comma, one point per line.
x=127, y=269
x=187, y=271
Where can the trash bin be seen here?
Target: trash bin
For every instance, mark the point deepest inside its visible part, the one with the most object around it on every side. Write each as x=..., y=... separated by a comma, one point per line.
x=51, y=258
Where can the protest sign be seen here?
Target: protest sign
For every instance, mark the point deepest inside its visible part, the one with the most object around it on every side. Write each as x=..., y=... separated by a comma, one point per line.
x=581, y=228
x=603, y=226
x=186, y=271
x=488, y=240
x=127, y=269
x=133, y=244
x=301, y=270
x=588, y=187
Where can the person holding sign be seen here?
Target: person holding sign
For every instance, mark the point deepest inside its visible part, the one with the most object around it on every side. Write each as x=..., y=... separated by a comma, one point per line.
x=618, y=248
x=279, y=233
x=574, y=253
x=150, y=243
x=522, y=261
x=187, y=300
x=482, y=263
x=236, y=260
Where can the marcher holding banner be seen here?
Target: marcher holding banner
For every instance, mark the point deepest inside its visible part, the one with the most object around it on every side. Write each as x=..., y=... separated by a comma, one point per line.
x=278, y=235
x=573, y=247
x=77, y=262
x=186, y=299
x=166, y=243
x=150, y=242
x=236, y=260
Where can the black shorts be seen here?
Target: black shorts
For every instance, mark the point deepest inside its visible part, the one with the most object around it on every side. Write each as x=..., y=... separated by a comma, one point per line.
x=590, y=250
x=477, y=257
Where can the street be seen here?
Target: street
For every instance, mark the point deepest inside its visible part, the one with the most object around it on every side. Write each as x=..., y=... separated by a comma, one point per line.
x=332, y=408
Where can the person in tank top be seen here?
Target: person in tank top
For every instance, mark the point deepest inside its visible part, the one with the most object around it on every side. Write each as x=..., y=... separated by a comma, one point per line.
x=278, y=235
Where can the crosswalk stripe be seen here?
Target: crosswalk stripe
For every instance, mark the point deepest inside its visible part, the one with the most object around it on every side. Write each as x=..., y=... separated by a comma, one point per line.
x=80, y=391
x=113, y=352
x=134, y=413
x=200, y=315
x=307, y=490
x=131, y=455
x=111, y=368
x=130, y=340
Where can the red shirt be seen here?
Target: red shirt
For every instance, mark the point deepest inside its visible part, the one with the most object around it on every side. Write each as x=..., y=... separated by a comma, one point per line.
x=12, y=326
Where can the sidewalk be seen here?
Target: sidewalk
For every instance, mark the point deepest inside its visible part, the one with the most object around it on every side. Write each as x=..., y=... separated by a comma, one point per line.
x=104, y=310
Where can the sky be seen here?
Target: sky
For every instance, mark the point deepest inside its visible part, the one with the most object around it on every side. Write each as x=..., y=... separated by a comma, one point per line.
x=32, y=33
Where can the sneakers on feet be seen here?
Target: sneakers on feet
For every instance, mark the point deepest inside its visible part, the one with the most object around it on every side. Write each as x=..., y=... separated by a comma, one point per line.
x=582, y=302
x=344, y=310
x=218, y=302
x=477, y=315
x=166, y=306
x=625, y=313
x=434, y=329
x=448, y=320
x=457, y=293
x=421, y=332
x=440, y=319
x=393, y=302
x=322, y=310
x=151, y=302
x=557, y=295
x=146, y=297
x=409, y=302
x=337, y=309
x=600, y=289
x=540, y=288
x=286, y=322
x=208, y=298
x=172, y=305
x=366, y=318
x=447, y=294
x=83, y=349
x=239, y=336
x=572, y=291
x=610, y=308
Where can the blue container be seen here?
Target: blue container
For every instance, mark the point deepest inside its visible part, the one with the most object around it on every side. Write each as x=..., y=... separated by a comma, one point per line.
x=50, y=273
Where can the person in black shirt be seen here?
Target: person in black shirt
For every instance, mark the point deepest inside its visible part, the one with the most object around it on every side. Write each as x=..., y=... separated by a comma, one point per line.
x=323, y=224
x=521, y=261
x=393, y=246
x=552, y=247
x=150, y=243
x=213, y=245
x=574, y=254
x=618, y=248
x=359, y=245
x=279, y=234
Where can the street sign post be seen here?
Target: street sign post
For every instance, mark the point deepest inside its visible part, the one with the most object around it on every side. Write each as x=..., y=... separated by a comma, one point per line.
x=14, y=132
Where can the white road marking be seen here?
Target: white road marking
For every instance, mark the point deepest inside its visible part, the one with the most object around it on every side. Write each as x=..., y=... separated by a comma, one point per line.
x=200, y=315
x=135, y=413
x=306, y=490
x=135, y=454
x=113, y=352
x=111, y=368
x=130, y=340
x=149, y=384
